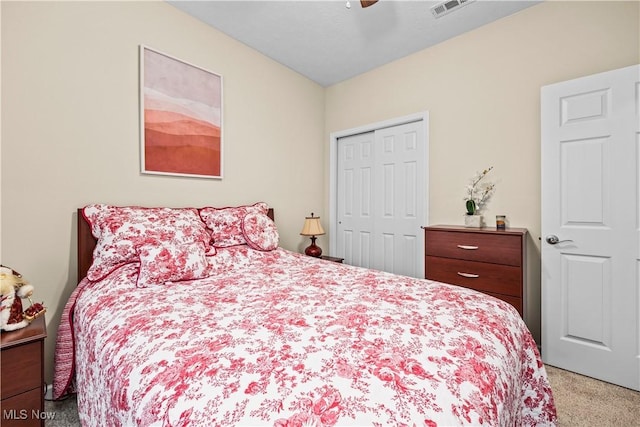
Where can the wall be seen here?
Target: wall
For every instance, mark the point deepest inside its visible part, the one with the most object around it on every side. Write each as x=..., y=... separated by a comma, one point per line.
x=482, y=91
x=70, y=130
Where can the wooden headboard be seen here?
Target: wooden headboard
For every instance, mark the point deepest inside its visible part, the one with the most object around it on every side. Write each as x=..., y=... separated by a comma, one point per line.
x=87, y=243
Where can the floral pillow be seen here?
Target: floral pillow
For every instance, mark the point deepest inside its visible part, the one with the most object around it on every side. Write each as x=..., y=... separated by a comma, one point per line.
x=165, y=262
x=120, y=231
x=260, y=231
x=226, y=223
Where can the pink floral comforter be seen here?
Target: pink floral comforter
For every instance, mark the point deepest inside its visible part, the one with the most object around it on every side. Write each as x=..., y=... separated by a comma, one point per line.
x=278, y=338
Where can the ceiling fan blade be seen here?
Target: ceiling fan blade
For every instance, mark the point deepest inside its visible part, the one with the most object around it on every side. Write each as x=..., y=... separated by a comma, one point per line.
x=368, y=3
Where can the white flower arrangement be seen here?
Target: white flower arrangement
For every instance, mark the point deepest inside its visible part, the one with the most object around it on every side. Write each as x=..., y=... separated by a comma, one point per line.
x=477, y=194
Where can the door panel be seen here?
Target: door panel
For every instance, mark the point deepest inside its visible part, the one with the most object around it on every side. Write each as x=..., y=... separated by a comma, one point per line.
x=590, y=201
x=400, y=155
x=363, y=258
x=587, y=290
x=355, y=205
x=585, y=181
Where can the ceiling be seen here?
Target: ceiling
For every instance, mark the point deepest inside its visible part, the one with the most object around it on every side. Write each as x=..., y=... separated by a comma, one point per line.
x=328, y=42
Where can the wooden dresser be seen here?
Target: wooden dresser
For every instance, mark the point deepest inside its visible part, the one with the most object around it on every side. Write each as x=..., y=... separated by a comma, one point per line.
x=485, y=259
x=22, y=359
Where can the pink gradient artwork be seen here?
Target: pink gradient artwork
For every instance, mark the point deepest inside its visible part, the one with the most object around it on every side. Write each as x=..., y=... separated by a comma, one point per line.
x=182, y=117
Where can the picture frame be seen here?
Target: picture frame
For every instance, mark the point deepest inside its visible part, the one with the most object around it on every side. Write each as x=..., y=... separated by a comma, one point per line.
x=180, y=117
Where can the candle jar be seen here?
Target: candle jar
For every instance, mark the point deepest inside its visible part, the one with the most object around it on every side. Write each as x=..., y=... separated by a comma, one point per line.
x=501, y=222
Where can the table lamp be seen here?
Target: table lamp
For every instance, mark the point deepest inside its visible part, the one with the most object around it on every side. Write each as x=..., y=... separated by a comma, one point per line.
x=313, y=228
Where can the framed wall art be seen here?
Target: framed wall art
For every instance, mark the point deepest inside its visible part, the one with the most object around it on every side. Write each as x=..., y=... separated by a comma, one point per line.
x=181, y=117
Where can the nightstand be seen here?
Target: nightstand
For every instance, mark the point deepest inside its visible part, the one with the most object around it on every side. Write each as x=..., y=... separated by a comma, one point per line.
x=332, y=258
x=22, y=389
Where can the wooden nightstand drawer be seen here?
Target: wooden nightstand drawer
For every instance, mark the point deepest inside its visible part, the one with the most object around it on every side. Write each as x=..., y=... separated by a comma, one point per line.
x=21, y=366
x=22, y=375
x=475, y=246
x=494, y=278
x=23, y=410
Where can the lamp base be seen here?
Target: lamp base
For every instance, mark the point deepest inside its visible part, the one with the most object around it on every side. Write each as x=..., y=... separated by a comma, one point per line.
x=313, y=249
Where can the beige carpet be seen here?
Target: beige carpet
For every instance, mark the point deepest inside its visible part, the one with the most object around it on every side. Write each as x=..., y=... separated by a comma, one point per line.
x=584, y=401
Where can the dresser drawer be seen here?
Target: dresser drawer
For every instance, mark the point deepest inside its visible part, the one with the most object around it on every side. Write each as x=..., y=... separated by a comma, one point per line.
x=516, y=302
x=494, y=278
x=21, y=369
x=482, y=247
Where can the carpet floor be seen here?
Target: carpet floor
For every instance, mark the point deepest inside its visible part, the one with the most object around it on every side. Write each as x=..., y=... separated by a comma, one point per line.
x=580, y=401
x=583, y=401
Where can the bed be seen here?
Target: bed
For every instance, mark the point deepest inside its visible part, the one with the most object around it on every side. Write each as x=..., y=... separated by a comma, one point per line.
x=197, y=317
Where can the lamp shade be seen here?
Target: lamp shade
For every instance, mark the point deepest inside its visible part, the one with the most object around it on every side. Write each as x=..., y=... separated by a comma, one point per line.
x=312, y=226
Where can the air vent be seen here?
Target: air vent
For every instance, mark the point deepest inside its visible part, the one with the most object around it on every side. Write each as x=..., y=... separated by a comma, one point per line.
x=445, y=7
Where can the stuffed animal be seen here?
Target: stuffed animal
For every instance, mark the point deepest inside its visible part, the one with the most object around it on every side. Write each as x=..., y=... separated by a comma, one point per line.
x=13, y=288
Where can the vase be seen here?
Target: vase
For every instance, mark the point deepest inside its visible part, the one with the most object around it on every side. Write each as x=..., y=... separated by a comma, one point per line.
x=473, y=221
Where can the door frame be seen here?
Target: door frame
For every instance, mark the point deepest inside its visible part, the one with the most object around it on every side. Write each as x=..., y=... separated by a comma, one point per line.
x=422, y=117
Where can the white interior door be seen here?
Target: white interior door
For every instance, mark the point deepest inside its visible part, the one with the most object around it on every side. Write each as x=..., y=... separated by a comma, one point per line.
x=590, y=210
x=399, y=189
x=381, y=187
x=355, y=201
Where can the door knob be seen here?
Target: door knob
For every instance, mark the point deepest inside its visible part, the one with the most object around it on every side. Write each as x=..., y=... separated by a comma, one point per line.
x=552, y=239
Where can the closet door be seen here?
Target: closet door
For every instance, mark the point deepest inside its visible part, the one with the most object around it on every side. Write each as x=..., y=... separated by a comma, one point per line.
x=381, y=199
x=355, y=199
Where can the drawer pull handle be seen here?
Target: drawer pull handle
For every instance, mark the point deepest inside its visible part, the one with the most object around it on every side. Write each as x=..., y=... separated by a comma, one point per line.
x=467, y=247
x=469, y=275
